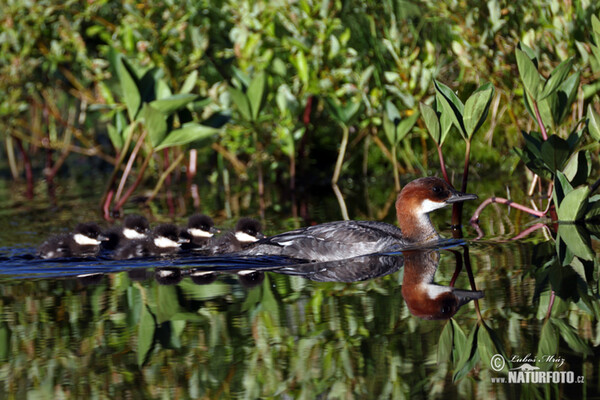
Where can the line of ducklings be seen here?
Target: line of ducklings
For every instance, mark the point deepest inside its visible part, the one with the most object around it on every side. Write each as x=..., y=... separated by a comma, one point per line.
x=134, y=239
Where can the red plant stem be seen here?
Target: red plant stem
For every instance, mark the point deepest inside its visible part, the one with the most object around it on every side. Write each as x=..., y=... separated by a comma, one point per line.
x=466, y=168
x=458, y=207
x=130, y=191
x=106, y=205
x=509, y=203
x=166, y=166
x=28, y=171
x=459, y=265
x=539, y=120
x=527, y=231
x=550, y=304
x=191, y=170
x=129, y=165
x=443, y=165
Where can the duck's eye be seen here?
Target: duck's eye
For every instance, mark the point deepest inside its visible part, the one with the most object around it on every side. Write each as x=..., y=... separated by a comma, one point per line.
x=446, y=309
x=437, y=189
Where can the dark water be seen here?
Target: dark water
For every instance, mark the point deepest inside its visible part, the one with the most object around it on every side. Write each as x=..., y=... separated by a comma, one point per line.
x=275, y=328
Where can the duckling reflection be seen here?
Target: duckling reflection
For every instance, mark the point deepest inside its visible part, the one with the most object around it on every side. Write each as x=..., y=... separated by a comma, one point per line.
x=426, y=299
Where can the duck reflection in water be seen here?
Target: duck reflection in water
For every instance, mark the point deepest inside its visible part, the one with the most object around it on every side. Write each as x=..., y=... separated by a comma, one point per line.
x=424, y=298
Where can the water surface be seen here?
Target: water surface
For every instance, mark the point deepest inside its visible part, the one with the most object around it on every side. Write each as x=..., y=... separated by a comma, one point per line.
x=272, y=328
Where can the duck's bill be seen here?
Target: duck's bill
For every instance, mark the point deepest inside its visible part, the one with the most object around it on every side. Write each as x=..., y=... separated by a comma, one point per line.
x=465, y=296
x=457, y=197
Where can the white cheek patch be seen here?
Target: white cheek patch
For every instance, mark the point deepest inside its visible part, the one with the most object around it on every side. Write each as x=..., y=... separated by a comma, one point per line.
x=85, y=240
x=164, y=242
x=428, y=206
x=132, y=234
x=195, y=232
x=434, y=291
x=244, y=237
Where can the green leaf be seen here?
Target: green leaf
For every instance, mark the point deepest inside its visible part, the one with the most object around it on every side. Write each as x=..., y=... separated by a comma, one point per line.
x=445, y=122
x=548, y=344
x=115, y=137
x=562, y=187
x=156, y=124
x=349, y=110
x=391, y=119
x=572, y=208
x=563, y=98
x=529, y=73
x=570, y=336
x=555, y=152
x=578, y=168
x=131, y=92
x=241, y=102
x=556, y=78
x=302, y=67
x=188, y=133
x=593, y=212
x=485, y=346
x=477, y=107
x=445, y=343
x=405, y=126
x=255, y=93
x=5, y=335
x=432, y=122
x=451, y=105
x=577, y=239
x=459, y=342
x=146, y=329
x=189, y=83
x=173, y=103
x=167, y=303
x=469, y=357
x=593, y=123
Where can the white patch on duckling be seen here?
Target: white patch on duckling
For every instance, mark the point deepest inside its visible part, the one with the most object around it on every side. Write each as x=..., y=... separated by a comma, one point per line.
x=85, y=240
x=195, y=232
x=132, y=234
x=244, y=237
x=164, y=242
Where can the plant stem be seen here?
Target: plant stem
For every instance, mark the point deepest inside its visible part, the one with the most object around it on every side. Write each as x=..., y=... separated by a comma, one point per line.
x=129, y=165
x=341, y=201
x=394, y=165
x=458, y=207
x=509, y=203
x=105, y=206
x=443, y=165
x=130, y=191
x=467, y=259
x=164, y=176
x=12, y=162
x=539, y=120
x=341, y=154
x=28, y=171
x=121, y=158
x=550, y=304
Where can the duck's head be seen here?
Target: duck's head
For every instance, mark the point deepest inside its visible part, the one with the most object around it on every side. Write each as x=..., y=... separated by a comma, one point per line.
x=420, y=197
